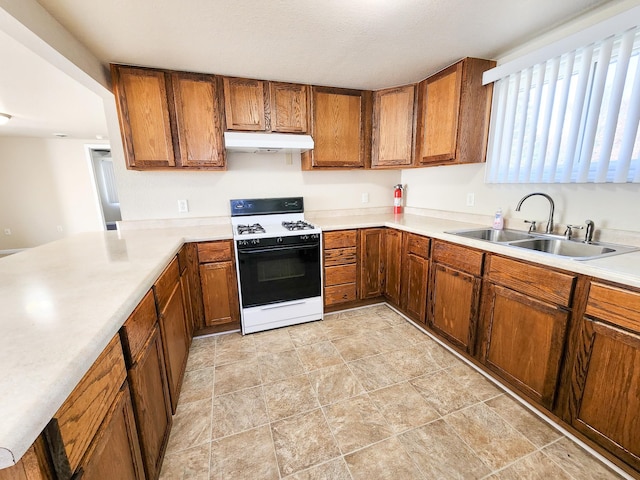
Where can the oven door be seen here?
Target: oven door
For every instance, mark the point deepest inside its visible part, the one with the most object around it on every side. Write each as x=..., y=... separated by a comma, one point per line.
x=279, y=273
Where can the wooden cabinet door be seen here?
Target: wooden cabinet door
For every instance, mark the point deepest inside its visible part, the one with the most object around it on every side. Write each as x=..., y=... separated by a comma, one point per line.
x=34, y=464
x=370, y=262
x=523, y=341
x=392, y=264
x=114, y=452
x=244, y=101
x=220, y=295
x=151, y=402
x=143, y=111
x=290, y=104
x=453, y=312
x=393, y=126
x=414, y=286
x=198, y=120
x=174, y=342
x=339, y=126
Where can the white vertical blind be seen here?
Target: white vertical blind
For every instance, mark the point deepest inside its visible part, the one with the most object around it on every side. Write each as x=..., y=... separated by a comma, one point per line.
x=571, y=118
x=109, y=179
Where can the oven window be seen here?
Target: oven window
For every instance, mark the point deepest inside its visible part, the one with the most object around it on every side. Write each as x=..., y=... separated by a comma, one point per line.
x=279, y=275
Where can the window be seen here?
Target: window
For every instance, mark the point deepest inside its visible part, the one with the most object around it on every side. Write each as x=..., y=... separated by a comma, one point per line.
x=572, y=118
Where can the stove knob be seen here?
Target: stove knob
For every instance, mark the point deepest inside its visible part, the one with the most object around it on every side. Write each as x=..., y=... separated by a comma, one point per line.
x=279, y=240
x=256, y=241
x=242, y=243
x=304, y=237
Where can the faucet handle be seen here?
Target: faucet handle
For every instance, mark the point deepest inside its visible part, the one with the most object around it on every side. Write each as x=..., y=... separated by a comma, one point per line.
x=532, y=227
x=568, y=233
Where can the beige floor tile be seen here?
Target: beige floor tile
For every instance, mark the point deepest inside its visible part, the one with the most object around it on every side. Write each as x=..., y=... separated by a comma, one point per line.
x=392, y=318
x=443, y=392
x=389, y=338
x=238, y=411
x=288, y=397
x=577, y=462
x=201, y=355
x=386, y=460
x=190, y=464
x=319, y=355
x=370, y=322
x=536, y=466
x=333, y=470
x=495, y=441
x=234, y=347
x=334, y=383
x=375, y=372
x=277, y=340
x=413, y=361
x=191, y=426
x=403, y=407
x=203, y=342
x=279, y=365
x=410, y=333
x=246, y=455
x=357, y=346
x=308, y=333
x=231, y=377
x=440, y=453
x=474, y=382
x=303, y=441
x=197, y=385
x=440, y=355
x=349, y=314
x=341, y=327
x=356, y=423
x=539, y=432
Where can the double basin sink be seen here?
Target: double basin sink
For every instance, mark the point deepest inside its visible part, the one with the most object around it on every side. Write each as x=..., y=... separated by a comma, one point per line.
x=545, y=243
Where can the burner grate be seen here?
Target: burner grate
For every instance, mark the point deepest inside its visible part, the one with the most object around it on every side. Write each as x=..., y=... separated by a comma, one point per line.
x=299, y=225
x=248, y=229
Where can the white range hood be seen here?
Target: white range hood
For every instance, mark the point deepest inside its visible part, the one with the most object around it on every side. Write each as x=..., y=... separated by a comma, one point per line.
x=252, y=142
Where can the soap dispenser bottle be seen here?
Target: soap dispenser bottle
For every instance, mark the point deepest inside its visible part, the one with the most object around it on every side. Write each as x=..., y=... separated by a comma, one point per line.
x=498, y=220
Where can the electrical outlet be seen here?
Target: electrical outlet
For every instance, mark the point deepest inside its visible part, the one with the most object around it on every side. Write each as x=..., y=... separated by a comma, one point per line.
x=471, y=199
x=365, y=197
x=7, y=231
x=183, y=206
x=59, y=228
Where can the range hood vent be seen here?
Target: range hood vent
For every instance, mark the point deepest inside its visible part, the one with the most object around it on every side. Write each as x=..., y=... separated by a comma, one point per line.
x=252, y=142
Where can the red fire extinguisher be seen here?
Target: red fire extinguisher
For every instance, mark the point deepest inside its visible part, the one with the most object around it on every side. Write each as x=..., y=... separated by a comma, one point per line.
x=397, y=199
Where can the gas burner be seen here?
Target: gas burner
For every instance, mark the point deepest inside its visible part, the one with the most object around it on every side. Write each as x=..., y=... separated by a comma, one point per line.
x=299, y=225
x=248, y=229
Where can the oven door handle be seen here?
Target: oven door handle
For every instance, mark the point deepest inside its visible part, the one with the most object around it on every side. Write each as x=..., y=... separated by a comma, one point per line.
x=281, y=305
x=277, y=249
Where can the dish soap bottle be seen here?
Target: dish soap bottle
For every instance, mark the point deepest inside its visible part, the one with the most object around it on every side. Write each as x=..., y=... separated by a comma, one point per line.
x=498, y=221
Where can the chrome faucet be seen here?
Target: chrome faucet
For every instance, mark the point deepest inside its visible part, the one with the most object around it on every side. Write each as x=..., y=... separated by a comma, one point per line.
x=552, y=207
x=588, y=235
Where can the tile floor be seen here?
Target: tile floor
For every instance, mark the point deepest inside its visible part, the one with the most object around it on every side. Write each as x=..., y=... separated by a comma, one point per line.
x=360, y=395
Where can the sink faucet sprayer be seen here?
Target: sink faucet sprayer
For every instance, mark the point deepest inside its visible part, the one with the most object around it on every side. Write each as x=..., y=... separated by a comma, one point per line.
x=552, y=206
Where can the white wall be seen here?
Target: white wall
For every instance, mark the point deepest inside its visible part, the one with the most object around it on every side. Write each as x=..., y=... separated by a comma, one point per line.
x=44, y=183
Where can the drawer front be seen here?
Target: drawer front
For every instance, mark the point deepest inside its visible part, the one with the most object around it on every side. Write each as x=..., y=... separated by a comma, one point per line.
x=340, y=239
x=339, y=256
x=215, y=251
x=340, y=275
x=82, y=413
x=460, y=258
x=166, y=283
x=418, y=245
x=614, y=305
x=537, y=282
x=339, y=294
x=138, y=327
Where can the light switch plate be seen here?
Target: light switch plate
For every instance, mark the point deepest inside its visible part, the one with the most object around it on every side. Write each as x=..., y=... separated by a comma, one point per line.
x=183, y=206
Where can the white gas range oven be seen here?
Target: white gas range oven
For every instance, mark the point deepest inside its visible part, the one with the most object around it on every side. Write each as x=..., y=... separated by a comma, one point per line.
x=278, y=260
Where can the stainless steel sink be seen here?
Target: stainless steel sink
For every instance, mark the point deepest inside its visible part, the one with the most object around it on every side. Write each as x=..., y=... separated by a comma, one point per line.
x=491, y=235
x=547, y=244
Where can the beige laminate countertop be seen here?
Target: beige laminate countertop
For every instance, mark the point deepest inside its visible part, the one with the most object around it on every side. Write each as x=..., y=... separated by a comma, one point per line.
x=61, y=303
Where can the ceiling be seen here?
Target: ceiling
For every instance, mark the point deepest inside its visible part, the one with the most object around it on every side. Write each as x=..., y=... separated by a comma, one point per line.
x=367, y=44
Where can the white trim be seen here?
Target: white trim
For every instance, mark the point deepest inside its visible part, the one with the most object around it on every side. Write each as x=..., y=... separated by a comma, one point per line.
x=94, y=182
x=597, y=32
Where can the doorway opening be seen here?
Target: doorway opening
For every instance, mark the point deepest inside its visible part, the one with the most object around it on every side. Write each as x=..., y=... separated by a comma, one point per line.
x=104, y=181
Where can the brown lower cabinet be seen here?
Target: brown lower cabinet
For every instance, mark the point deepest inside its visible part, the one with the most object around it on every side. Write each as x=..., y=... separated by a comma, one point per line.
x=340, y=267
x=219, y=287
x=35, y=464
x=371, y=263
x=392, y=261
x=415, y=276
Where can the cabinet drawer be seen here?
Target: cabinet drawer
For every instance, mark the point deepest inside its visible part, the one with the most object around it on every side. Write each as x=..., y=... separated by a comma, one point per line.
x=460, y=258
x=82, y=413
x=215, y=252
x=138, y=327
x=615, y=305
x=537, y=282
x=339, y=294
x=339, y=256
x=164, y=286
x=340, y=239
x=340, y=275
x=418, y=245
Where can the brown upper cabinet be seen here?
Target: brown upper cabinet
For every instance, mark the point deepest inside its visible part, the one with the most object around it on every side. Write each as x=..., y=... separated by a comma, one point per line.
x=453, y=114
x=169, y=119
x=246, y=103
x=340, y=126
x=393, y=127
x=290, y=107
